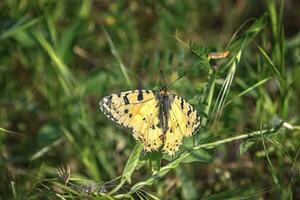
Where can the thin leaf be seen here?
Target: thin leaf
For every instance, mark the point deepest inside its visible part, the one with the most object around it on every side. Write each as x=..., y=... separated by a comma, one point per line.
x=21, y=25
x=274, y=175
x=65, y=76
x=249, y=89
x=45, y=149
x=244, y=146
x=116, y=55
x=130, y=166
x=199, y=155
x=132, y=162
x=155, y=159
x=272, y=66
x=222, y=96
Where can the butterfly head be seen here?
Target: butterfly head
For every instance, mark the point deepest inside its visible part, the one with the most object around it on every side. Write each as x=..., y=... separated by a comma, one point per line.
x=163, y=91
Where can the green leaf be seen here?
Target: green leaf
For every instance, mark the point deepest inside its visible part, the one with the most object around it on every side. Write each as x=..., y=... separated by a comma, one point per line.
x=93, y=83
x=200, y=155
x=155, y=159
x=244, y=146
x=132, y=162
x=189, y=188
x=200, y=51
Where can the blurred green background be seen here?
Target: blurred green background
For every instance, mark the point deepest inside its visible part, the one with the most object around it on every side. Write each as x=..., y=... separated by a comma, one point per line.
x=59, y=58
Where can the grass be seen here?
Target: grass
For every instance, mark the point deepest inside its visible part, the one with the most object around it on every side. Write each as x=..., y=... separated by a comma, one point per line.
x=58, y=59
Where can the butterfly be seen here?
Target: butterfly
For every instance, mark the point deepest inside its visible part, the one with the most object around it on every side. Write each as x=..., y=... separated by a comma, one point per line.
x=156, y=118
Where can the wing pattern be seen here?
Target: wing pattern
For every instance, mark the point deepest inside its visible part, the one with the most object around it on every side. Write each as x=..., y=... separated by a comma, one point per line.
x=139, y=110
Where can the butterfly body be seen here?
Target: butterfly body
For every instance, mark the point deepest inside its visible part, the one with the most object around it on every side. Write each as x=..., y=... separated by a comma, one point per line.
x=164, y=105
x=156, y=117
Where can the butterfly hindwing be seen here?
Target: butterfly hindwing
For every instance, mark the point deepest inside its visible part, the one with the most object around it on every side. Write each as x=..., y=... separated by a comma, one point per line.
x=150, y=133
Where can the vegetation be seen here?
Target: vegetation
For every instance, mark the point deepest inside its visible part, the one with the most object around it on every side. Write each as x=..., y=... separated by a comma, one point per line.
x=59, y=58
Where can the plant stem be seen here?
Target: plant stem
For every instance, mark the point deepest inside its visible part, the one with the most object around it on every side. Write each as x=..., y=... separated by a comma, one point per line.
x=239, y=137
x=118, y=187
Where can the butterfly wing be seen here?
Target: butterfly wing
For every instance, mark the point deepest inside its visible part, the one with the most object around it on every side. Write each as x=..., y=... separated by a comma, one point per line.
x=149, y=132
x=183, y=122
x=138, y=110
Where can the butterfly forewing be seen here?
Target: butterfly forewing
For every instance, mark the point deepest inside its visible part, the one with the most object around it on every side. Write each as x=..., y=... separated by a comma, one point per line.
x=138, y=110
x=127, y=107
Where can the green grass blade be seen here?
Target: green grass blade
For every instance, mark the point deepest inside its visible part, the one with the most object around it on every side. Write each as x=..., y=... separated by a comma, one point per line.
x=222, y=96
x=65, y=76
x=46, y=149
x=132, y=162
x=273, y=68
x=249, y=89
x=21, y=25
x=272, y=170
x=117, y=56
x=129, y=167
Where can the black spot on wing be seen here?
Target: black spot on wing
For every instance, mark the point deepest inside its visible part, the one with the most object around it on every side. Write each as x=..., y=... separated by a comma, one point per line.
x=125, y=99
x=182, y=104
x=197, y=124
x=126, y=111
x=190, y=111
x=130, y=115
x=140, y=96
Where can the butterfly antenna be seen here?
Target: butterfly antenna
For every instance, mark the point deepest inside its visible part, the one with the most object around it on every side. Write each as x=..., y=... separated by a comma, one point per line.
x=174, y=81
x=162, y=75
